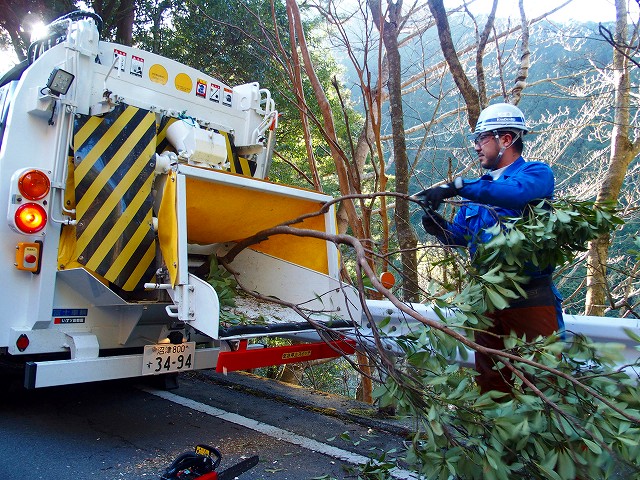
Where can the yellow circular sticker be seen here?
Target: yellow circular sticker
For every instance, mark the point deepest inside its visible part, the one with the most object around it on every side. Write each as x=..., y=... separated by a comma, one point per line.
x=184, y=83
x=158, y=74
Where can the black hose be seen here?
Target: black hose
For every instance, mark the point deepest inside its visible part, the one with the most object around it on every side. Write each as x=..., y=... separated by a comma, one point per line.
x=77, y=15
x=238, y=330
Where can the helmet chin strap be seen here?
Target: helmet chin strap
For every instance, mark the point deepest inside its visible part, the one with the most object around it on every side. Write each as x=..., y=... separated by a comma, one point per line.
x=503, y=149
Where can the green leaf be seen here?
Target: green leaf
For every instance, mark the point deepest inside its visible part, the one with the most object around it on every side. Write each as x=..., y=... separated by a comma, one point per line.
x=384, y=322
x=493, y=275
x=632, y=335
x=593, y=446
x=549, y=473
x=563, y=217
x=497, y=300
x=506, y=292
x=566, y=467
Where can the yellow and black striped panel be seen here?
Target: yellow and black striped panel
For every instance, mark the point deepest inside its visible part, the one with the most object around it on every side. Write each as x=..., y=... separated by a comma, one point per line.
x=238, y=164
x=163, y=142
x=113, y=157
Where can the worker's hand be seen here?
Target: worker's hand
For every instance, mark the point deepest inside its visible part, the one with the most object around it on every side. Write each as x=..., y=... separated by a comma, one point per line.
x=433, y=223
x=431, y=198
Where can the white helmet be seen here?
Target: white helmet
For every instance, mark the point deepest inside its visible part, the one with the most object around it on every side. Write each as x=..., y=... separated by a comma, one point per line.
x=501, y=116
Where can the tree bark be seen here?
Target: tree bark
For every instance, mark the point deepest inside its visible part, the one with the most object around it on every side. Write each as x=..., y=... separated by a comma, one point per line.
x=525, y=60
x=407, y=240
x=298, y=90
x=327, y=116
x=125, y=17
x=623, y=151
x=468, y=91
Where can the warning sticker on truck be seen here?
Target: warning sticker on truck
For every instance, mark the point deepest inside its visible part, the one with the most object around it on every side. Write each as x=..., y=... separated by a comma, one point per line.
x=119, y=59
x=226, y=98
x=201, y=88
x=215, y=93
x=137, y=66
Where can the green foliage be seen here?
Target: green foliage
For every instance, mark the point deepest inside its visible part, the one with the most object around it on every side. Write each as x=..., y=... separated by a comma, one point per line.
x=225, y=286
x=585, y=419
x=465, y=435
x=548, y=235
x=223, y=283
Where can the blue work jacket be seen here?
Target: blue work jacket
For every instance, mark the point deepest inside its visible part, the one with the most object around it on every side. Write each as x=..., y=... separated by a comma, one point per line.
x=489, y=200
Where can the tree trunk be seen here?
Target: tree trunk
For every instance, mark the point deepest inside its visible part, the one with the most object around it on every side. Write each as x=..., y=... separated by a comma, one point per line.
x=125, y=17
x=407, y=239
x=327, y=116
x=622, y=152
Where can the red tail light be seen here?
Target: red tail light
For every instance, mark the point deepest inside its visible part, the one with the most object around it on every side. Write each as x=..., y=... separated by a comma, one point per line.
x=30, y=218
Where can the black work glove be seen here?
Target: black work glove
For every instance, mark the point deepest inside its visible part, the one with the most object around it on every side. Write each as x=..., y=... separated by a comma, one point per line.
x=431, y=198
x=433, y=223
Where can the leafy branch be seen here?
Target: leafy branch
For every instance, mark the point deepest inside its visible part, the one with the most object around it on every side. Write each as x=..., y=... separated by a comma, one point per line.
x=572, y=410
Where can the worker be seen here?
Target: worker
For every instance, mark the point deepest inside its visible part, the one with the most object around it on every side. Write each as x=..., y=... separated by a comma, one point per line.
x=509, y=185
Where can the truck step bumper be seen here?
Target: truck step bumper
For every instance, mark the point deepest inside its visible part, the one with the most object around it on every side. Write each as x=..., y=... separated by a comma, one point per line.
x=67, y=372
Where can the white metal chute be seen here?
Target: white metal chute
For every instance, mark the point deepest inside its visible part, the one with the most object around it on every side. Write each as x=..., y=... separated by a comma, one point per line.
x=323, y=299
x=198, y=305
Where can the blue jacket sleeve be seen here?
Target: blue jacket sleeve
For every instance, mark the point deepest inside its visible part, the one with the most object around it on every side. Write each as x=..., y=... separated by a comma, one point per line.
x=534, y=180
x=456, y=233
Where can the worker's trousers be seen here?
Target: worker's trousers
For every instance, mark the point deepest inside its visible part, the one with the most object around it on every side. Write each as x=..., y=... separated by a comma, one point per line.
x=531, y=317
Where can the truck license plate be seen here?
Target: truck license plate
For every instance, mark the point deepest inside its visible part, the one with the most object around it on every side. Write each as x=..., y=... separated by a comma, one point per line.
x=166, y=358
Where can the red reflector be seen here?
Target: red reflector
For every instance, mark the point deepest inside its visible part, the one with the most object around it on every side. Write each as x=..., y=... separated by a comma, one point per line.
x=22, y=343
x=34, y=185
x=30, y=218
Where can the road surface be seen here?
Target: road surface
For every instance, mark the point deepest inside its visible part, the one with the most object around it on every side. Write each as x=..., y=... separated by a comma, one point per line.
x=129, y=430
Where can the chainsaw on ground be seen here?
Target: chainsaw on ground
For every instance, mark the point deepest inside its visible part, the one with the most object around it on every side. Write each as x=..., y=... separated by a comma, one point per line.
x=201, y=464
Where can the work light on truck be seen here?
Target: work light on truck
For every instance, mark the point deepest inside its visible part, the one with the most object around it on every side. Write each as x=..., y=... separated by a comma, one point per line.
x=30, y=218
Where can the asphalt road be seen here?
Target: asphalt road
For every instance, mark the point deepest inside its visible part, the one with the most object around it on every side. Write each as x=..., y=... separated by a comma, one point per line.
x=128, y=430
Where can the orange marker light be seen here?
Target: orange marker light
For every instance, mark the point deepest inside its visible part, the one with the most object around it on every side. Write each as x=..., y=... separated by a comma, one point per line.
x=387, y=279
x=30, y=218
x=34, y=185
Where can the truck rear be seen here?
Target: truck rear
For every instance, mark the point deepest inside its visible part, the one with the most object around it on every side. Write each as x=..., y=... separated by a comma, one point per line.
x=124, y=175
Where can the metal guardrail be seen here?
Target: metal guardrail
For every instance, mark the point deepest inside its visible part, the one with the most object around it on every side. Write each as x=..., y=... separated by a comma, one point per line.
x=598, y=329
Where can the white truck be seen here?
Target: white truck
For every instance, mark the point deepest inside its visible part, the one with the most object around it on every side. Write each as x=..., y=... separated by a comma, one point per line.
x=121, y=173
